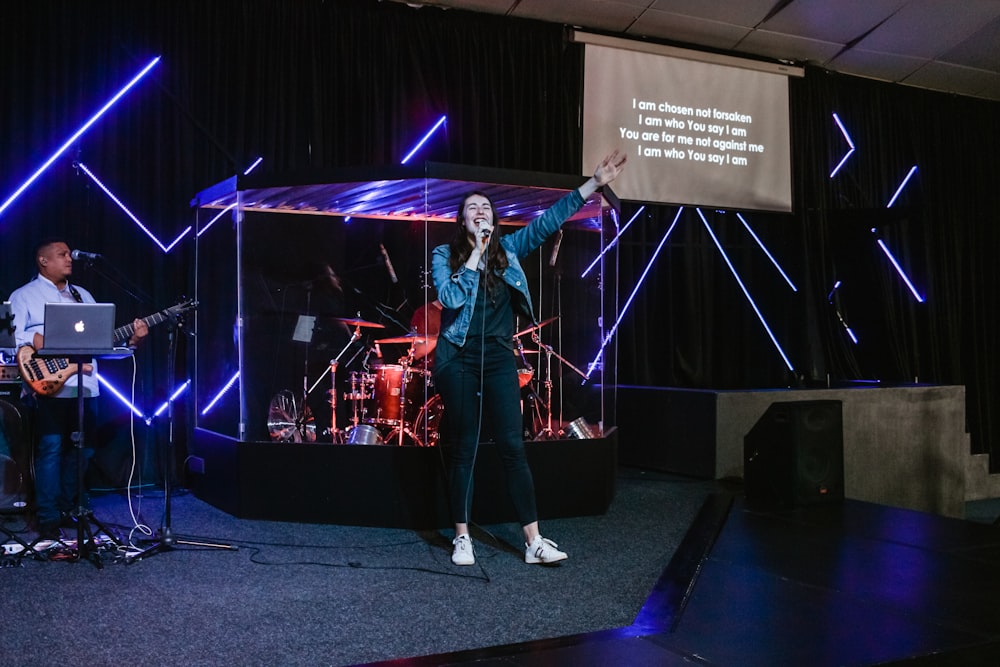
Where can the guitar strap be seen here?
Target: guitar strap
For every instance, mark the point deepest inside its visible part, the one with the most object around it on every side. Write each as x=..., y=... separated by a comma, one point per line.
x=75, y=293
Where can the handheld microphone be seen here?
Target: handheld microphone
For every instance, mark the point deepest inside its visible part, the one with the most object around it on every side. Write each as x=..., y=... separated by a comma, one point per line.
x=82, y=254
x=555, y=248
x=388, y=264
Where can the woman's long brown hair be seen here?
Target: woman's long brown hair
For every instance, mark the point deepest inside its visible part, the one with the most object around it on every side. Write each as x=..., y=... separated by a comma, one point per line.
x=496, y=258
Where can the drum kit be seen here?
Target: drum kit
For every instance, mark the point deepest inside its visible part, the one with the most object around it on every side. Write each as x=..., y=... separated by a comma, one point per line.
x=395, y=403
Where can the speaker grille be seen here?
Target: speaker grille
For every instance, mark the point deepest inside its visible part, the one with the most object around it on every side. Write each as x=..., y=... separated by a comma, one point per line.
x=794, y=455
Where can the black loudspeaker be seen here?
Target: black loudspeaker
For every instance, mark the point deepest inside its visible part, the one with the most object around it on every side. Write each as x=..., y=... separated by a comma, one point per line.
x=794, y=455
x=13, y=453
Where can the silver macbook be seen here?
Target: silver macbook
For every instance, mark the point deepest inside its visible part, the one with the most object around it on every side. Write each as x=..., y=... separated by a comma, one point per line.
x=79, y=327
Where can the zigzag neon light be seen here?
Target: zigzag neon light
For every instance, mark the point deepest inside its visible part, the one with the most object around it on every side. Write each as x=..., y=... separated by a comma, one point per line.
x=253, y=166
x=127, y=403
x=222, y=392
x=746, y=292
x=173, y=397
x=607, y=339
x=614, y=241
x=850, y=143
x=216, y=219
x=427, y=136
x=900, y=271
x=79, y=133
x=902, y=185
x=836, y=310
x=768, y=253
x=129, y=213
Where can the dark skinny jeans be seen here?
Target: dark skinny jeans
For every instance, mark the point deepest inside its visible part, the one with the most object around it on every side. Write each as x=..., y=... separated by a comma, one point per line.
x=458, y=383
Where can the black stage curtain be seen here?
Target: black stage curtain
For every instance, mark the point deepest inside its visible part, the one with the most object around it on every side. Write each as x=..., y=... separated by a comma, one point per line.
x=312, y=84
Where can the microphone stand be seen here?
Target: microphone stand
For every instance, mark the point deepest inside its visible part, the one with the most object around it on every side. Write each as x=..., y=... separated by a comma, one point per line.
x=167, y=540
x=98, y=266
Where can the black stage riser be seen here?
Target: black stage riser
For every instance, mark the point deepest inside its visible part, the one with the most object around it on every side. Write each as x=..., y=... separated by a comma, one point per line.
x=391, y=486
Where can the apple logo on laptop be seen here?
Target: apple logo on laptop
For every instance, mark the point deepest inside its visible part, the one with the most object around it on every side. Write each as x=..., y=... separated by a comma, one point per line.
x=78, y=327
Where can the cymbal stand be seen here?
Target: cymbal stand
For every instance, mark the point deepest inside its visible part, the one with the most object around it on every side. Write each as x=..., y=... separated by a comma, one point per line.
x=549, y=353
x=402, y=398
x=335, y=434
x=532, y=395
x=300, y=419
x=546, y=432
x=564, y=360
x=355, y=396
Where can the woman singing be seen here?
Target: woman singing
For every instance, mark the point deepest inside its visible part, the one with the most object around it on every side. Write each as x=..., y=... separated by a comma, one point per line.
x=481, y=285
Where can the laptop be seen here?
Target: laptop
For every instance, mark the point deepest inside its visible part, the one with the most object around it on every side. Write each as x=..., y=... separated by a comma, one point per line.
x=78, y=329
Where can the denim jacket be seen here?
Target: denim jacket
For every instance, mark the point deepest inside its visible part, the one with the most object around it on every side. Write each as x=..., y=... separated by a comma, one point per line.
x=457, y=291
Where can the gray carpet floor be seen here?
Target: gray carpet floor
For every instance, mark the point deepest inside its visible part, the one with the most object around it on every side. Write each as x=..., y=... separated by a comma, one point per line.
x=307, y=594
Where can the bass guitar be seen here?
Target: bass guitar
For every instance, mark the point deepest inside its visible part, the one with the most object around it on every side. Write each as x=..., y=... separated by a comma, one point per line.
x=47, y=376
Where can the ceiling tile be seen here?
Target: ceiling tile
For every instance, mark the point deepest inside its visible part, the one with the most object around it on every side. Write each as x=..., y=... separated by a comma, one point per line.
x=841, y=21
x=681, y=28
x=981, y=50
x=956, y=79
x=595, y=14
x=877, y=64
x=928, y=28
x=788, y=47
x=486, y=6
x=895, y=39
x=747, y=13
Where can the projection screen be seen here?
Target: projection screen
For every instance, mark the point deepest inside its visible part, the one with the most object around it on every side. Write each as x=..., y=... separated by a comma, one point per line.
x=696, y=133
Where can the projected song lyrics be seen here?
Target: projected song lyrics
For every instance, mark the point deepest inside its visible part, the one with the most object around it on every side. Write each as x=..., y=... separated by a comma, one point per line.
x=699, y=134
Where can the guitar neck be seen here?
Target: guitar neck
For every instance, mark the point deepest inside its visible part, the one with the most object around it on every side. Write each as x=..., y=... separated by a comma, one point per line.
x=122, y=334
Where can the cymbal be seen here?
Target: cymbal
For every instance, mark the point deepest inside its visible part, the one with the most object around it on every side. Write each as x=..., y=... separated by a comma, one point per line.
x=536, y=326
x=360, y=323
x=410, y=339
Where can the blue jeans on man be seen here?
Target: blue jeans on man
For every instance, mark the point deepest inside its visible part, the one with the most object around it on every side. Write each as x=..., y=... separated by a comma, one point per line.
x=56, y=458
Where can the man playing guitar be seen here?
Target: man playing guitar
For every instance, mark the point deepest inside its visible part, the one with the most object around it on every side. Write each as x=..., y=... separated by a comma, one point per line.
x=56, y=417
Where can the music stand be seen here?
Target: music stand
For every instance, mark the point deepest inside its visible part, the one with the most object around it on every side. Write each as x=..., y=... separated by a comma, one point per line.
x=86, y=546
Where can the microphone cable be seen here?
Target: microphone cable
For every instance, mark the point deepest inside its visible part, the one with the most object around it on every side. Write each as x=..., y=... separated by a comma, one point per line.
x=479, y=421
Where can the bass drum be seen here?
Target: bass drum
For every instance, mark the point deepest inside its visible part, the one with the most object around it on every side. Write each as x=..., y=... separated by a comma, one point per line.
x=398, y=394
x=427, y=426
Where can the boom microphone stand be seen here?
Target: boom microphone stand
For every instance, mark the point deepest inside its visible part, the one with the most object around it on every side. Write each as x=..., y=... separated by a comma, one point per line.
x=166, y=539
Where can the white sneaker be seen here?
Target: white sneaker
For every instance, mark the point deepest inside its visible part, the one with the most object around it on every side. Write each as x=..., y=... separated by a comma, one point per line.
x=463, y=554
x=542, y=550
